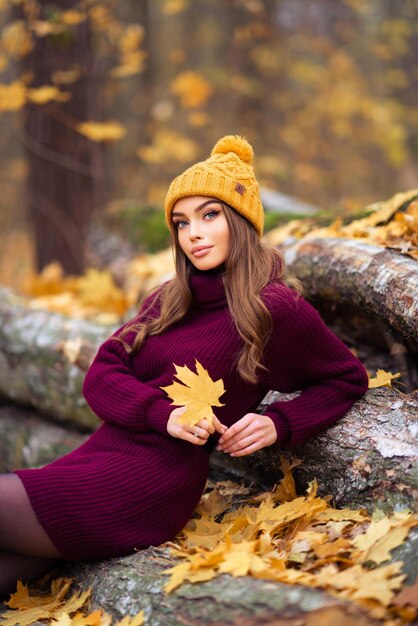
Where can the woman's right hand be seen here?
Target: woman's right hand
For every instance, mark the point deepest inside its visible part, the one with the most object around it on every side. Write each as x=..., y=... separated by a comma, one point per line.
x=186, y=432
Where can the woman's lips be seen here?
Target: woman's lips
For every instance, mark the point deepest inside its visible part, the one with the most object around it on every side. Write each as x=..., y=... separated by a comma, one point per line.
x=201, y=251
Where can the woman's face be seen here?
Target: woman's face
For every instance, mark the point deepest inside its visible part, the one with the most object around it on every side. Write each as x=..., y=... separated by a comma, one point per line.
x=203, y=230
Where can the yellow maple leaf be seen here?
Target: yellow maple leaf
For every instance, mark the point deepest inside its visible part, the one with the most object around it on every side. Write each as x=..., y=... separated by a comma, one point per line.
x=35, y=607
x=382, y=379
x=97, y=618
x=66, y=77
x=98, y=290
x=131, y=38
x=192, y=89
x=132, y=63
x=135, y=620
x=12, y=96
x=101, y=131
x=170, y=7
x=72, y=18
x=16, y=39
x=168, y=145
x=382, y=536
x=42, y=95
x=198, y=393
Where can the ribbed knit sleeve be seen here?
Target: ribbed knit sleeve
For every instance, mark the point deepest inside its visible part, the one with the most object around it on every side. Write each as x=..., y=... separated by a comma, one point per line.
x=116, y=395
x=304, y=354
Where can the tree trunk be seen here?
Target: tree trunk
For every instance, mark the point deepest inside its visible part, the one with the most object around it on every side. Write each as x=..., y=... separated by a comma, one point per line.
x=378, y=281
x=66, y=171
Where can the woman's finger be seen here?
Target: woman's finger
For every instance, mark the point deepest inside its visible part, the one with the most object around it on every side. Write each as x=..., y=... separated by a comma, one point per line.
x=248, y=430
x=198, y=432
x=220, y=428
x=237, y=428
x=242, y=443
x=248, y=450
x=204, y=424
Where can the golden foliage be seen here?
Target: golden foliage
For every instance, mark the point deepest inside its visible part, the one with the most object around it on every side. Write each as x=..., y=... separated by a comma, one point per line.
x=101, y=131
x=16, y=40
x=72, y=18
x=42, y=95
x=296, y=540
x=28, y=608
x=170, y=7
x=192, y=89
x=198, y=393
x=168, y=146
x=66, y=77
x=95, y=294
x=132, y=63
x=92, y=295
x=32, y=608
x=12, y=96
x=382, y=379
x=389, y=224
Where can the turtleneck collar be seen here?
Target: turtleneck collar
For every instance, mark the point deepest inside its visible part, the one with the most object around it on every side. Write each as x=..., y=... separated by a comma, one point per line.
x=207, y=288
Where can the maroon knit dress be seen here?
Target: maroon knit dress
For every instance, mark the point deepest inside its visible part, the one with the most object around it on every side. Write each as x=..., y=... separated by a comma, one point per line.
x=131, y=484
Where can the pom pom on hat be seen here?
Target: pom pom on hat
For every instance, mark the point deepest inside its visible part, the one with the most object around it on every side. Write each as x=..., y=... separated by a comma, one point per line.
x=227, y=175
x=236, y=144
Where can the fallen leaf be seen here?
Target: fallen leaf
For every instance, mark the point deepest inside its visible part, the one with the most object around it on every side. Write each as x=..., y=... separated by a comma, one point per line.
x=198, y=394
x=382, y=379
x=35, y=607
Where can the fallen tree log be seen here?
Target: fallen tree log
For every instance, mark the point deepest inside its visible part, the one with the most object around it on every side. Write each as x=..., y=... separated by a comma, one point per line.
x=368, y=458
x=27, y=440
x=44, y=357
x=379, y=281
x=126, y=586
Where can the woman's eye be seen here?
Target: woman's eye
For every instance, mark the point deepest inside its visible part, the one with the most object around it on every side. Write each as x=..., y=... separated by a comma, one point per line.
x=179, y=224
x=211, y=214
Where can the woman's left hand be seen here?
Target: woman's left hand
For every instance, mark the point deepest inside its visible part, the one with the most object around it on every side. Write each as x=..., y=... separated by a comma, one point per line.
x=252, y=432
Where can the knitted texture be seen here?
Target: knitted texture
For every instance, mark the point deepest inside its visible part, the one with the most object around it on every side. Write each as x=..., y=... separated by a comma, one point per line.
x=227, y=175
x=131, y=484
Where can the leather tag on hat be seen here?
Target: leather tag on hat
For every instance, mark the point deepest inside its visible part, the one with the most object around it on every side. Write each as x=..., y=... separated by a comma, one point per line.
x=240, y=188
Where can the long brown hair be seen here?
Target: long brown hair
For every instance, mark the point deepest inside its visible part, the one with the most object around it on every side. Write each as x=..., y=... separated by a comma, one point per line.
x=249, y=267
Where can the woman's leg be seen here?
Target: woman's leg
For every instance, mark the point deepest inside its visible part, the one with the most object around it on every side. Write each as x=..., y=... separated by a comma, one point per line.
x=26, y=551
x=14, y=567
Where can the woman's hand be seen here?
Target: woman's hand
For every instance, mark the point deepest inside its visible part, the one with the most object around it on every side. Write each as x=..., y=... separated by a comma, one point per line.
x=252, y=432
x=202, y=428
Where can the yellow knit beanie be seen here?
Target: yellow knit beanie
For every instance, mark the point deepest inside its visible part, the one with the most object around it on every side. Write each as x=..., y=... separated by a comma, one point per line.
x=227, y=175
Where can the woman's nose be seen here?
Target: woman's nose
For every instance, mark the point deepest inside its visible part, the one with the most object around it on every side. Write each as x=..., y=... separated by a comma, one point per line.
x=194, y=231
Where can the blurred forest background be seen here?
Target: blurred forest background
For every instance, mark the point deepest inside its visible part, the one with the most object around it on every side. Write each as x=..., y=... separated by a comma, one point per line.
x=103, y=103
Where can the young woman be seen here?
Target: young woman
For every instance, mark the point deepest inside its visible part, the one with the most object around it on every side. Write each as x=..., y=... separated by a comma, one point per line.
x=137, y=480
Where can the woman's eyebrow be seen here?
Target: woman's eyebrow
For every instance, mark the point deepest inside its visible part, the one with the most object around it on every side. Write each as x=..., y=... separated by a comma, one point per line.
x=198, y=208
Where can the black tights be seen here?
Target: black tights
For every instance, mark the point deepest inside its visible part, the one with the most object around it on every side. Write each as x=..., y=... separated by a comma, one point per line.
x=26, y=551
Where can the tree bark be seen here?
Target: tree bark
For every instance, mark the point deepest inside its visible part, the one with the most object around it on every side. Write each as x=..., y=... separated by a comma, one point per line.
x=43, y=360
x=368, y=458
x=27, y=440
x=126, y=586
x=380, y=282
